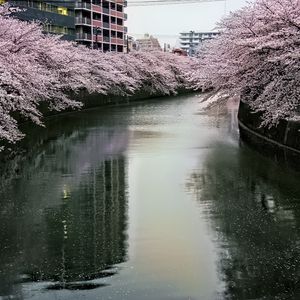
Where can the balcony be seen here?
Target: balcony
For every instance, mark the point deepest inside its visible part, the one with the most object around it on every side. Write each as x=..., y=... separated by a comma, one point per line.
x=105, y=25
x=120, y=15
x=83, y=5
x=97, y=23
x=105, y=10
x=82, y=21
x=120, y=28
x=98, y=38
x=97, y=8
x=113, y=26
x=106, y=39
x=120, y=41
x=113, y=13
x=83, y=36
x=117, y=41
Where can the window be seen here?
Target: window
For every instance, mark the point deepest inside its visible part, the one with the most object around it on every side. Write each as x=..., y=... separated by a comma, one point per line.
x=105, y=4
x=97, y=16
x=119, y=8
x=62, y=11
x=58, y=29
x=105, y=47
x=105, y=19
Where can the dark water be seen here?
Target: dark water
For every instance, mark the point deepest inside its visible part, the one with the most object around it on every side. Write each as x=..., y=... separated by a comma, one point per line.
x=150, y=201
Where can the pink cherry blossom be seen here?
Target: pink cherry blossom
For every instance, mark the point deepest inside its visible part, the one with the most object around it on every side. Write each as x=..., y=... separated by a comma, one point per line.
x=36, y=68
x=257, y=57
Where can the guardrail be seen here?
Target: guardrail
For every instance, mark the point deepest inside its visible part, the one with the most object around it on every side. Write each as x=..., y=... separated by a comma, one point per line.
x=83, y=36
x=83, y=5
x=105, y=25
x=79, y=20
x=105, y=10
x=106, y=39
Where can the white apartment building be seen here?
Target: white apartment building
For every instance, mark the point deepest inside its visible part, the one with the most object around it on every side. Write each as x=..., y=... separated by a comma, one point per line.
x=191, y=40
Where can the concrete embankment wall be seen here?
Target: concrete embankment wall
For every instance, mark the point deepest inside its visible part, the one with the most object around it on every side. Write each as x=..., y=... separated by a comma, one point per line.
x=281, y=143
x=98, y=100
x=89, y=101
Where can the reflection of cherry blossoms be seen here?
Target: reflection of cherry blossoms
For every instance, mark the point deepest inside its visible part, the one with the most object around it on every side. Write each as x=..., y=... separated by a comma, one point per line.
x=118, y=143
x=36, y=68
x=100, y=145
x=257, y=56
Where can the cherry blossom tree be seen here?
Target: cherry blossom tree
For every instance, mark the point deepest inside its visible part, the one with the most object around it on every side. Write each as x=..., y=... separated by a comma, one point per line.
x=155, y=72
x=36, y=68
x=257, y=56
x=30, y=73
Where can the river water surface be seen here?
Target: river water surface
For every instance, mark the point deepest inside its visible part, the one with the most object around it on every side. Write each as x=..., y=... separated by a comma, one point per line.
x=149, y=201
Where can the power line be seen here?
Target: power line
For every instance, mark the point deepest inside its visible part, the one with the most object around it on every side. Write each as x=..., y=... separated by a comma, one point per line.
x=167, y=2
x=165, y=35
x=133, y=3
x=155, y=35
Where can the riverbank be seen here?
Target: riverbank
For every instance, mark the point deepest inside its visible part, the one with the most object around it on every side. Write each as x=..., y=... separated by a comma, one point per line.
x=90, y=102
x=95, y=100
x=281, y=143
x=55, y=74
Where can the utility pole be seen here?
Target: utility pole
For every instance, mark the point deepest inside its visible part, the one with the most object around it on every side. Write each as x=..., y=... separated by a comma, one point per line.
x=127, y=44
x=92, y=27
x=97, y=32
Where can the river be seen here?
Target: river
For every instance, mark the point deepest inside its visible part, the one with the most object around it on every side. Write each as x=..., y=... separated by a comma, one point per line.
x=154, y=200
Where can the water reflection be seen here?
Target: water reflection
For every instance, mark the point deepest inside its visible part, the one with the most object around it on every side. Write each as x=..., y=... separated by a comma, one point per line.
x=253, y=210
x=64, y=210
x=71, y=197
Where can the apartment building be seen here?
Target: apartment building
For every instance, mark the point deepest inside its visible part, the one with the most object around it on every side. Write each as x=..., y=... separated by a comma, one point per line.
x=57, y=17
x=191, y=40
x=98, y=24
x=148, y=43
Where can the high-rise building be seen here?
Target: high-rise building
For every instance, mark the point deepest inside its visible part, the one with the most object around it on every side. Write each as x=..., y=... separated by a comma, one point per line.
x=97, y=24
x=191, y=40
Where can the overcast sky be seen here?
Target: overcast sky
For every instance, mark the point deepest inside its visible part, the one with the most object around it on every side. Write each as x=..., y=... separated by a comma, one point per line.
x=165, y=22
